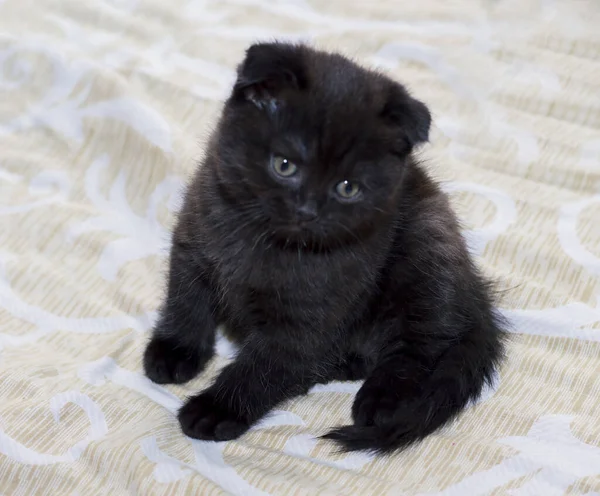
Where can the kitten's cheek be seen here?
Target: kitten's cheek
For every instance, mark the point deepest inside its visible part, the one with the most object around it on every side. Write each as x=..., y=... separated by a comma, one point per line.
x=205, y=418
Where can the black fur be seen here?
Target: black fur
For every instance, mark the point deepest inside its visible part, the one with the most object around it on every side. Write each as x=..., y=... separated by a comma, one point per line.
x=316, y=287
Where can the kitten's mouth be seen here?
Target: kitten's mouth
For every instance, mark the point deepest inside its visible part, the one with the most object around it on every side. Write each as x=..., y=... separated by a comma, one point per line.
x=294, y=227
x=301, y=225
x=295, y=232
x=302, y=244
x=299, y=237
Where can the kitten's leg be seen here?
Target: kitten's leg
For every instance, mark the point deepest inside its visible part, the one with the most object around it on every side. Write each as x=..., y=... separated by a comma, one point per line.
x=262, y=376
x=353, y=367
x=184, y=337
x=357, y=357
x=418, y=387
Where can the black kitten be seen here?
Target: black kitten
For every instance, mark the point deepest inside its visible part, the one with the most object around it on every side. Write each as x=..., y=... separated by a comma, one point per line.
x=329, y=254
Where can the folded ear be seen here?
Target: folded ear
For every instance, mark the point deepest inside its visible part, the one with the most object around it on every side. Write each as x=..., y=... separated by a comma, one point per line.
x=268, y=70
x=411, y=116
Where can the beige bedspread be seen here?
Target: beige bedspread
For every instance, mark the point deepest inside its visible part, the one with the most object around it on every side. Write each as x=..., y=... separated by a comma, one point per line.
x=103, y=109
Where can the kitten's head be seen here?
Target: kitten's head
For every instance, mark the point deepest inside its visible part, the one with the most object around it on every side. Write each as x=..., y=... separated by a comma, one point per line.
x=315, y=146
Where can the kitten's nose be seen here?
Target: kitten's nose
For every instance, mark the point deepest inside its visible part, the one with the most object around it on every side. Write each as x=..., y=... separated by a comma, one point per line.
x=306, y=212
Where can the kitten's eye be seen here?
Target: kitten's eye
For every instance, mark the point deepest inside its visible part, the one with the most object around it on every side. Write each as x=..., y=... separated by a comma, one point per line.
x=347, y=190
x=283, y=167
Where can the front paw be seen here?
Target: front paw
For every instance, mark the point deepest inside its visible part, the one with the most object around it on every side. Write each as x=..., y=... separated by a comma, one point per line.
x=204, y=417
x=166, y=361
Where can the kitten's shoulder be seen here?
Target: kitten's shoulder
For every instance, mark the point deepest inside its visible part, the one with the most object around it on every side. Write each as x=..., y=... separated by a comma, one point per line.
x=429, y=215
x=422, y=192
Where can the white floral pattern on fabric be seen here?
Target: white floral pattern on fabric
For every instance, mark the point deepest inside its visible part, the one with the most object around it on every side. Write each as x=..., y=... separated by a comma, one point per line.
x=102, y=105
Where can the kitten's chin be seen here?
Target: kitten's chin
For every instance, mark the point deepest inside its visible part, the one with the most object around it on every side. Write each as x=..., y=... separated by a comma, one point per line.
x=296, y=236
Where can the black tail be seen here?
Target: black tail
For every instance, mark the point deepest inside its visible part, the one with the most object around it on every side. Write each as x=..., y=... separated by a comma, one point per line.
x=457, y=381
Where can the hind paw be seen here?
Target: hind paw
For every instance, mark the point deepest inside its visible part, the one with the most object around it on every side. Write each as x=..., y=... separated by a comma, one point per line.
x=374, y=406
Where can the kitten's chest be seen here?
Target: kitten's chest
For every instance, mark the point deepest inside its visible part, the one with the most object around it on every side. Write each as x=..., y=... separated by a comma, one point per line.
x=286, y=288
x=287, y=274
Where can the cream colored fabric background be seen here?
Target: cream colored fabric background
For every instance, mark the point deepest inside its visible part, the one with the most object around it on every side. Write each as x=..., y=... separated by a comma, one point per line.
x=103, y=109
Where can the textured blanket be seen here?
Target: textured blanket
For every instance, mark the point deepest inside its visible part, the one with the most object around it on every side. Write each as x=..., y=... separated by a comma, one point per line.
x=104, y=108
